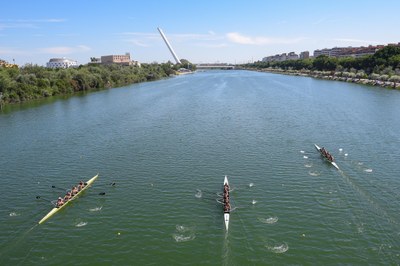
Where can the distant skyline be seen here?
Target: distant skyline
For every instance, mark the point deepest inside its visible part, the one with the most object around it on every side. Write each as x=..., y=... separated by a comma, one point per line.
x=199, y=31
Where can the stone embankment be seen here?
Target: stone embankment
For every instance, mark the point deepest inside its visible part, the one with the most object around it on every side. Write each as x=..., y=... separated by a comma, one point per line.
x=339, y=76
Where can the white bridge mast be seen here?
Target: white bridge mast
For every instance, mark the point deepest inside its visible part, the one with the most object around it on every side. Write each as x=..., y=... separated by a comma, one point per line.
x=169, y=46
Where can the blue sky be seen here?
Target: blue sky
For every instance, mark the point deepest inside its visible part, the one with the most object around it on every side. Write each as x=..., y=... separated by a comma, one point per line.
x=201, y=31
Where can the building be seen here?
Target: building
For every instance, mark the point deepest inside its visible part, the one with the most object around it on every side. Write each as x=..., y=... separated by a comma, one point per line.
x=305, y=55
x=117, y=59
x=6, y=64
x=322, y=52
x=292, y=56
x=61, y=63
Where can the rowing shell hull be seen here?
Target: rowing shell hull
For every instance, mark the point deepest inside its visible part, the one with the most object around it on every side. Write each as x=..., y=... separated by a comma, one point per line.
x=226, y=214
x=333, y=163
x=55, y=210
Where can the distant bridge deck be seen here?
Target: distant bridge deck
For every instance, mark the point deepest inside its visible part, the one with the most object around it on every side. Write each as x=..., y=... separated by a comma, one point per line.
x=215, y=66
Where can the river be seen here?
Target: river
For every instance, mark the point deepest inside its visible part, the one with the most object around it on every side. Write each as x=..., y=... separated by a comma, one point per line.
x=167, y=146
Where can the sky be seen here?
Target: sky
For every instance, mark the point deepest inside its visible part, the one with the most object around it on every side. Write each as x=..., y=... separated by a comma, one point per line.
x=205, y=31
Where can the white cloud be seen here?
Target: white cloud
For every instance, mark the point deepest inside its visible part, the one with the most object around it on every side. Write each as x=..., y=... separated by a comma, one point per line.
x=62, y=50
x=355, y=41
x=11, y=51
x=242, y=39
x=26, y=23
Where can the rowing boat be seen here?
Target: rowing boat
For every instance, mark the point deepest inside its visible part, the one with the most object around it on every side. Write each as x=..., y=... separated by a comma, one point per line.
x=56, y=209
x=227, y=209
x=331, y=161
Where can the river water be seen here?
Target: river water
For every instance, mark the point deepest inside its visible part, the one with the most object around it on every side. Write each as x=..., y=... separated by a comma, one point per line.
x=168, y=144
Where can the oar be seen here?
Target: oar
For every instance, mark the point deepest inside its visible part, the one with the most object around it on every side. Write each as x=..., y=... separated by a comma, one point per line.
x=63, y=189
x=47, y=200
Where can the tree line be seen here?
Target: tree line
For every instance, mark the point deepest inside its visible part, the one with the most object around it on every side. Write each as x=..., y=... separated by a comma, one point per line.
x=33, y=82
x=385, y=61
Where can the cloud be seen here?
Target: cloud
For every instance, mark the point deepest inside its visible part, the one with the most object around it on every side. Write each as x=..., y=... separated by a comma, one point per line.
x=63, y=50
x=26, y=23
x=11, y=51
x=138, y=43
x=242, y=39
x=355, y=41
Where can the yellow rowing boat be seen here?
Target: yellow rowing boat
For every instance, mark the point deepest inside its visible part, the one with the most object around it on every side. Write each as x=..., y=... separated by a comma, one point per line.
x=56, y=209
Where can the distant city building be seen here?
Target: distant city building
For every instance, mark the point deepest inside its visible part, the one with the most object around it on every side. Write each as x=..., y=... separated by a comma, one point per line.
x=305, y=55
x=6, y=64
x=61, y=63
x=322, y=52
x=332, y=52
x=281, y=57
x=350, y=51
x=292, y=56
x=117, y=59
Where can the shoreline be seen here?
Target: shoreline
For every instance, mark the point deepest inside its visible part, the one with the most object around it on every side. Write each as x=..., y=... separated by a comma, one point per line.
x=328, y=75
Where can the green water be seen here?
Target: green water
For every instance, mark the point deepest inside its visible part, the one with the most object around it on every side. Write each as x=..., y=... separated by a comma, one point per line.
x=168, y=144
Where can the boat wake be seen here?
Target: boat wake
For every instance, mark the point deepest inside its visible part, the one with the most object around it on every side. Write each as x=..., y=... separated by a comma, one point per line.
x=315, y=173
x=96, y=209
x=198, y=194
x=278, y=249
x=182, y=238
x=81, y=224
x=183, y=233
x=182, y=228
x=270, y=220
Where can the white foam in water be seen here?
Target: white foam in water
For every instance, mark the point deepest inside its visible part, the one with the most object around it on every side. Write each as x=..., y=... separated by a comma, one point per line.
x=270, y=220
x=340, y=149
x=301, y=151
x=181, y=228
x=313, y=173
x=305, y=157
x=254, y=202
x=96, y=209
x=198, y=194
x=346, y=154
x=13, y=214
x=81, y=224
x=182, y=238
x=308, y=165
x=279, y=249
x=368, y=170
x=251, y=184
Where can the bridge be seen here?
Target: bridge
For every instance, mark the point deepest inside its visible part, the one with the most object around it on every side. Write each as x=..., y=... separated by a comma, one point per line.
x=215, y=66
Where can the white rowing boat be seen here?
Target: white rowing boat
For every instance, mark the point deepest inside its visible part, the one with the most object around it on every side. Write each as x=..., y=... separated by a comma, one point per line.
x=56, y=209
x=320, y=151
x=226, y=209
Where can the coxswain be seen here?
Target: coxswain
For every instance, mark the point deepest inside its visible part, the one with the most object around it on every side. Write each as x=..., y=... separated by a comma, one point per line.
x=60, y=202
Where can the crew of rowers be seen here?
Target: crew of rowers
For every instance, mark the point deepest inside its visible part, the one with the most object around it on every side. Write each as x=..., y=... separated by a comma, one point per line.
x=75, y=189
x=327, y=155
x=227, y=204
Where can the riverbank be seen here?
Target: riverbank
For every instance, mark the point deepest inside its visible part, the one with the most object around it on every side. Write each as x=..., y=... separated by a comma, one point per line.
x=330, y=75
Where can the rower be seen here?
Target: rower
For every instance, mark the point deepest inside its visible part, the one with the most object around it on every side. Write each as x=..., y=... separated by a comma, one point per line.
x=60, y=202
x=68, y=196
x=74, y=190
x=81, y=185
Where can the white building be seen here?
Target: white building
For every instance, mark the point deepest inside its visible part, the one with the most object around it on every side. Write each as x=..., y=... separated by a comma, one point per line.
x=61, y=63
